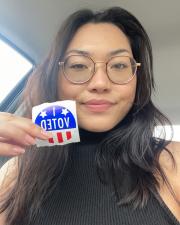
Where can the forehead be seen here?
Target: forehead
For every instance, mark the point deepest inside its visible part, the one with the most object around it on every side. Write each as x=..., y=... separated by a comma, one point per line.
x=99, y=39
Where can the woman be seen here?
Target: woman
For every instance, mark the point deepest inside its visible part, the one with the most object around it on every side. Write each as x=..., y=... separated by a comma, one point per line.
x=119, y=173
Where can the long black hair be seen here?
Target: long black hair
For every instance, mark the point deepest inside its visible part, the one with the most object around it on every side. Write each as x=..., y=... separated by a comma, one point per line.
x=127, y=156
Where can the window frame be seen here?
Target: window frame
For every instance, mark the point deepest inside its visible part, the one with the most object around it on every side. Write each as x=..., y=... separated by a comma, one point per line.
x=13, y=99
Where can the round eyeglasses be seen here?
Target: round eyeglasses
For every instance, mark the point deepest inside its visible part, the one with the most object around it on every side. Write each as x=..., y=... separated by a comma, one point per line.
x=79, y=69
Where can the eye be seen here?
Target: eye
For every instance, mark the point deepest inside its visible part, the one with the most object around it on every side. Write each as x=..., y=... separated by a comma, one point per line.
x=78, y=66
x=119, y=66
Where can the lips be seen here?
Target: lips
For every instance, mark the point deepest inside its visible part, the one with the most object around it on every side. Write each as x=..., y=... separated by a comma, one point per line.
x=95, y=105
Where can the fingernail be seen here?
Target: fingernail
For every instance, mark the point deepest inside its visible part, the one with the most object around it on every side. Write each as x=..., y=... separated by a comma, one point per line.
x=19, y=150
x=46, y=134
x=30, y=140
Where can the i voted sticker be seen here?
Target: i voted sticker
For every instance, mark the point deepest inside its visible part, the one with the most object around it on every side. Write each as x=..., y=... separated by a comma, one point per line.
x=60, y=119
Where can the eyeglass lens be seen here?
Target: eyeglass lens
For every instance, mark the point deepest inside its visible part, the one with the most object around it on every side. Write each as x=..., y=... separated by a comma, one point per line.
x=79, y=69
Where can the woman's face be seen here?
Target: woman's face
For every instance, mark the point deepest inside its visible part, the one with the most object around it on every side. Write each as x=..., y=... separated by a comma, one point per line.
x=101, y=104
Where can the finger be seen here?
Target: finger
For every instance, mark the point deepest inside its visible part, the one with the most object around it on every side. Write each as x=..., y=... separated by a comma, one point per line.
x=4, y=140
x=11, y=142
x=11, y=133
x=32, y=129
x=10, y=150
x=25, y=124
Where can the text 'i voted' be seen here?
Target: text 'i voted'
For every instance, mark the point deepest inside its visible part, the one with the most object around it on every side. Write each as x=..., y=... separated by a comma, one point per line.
x=60, y=119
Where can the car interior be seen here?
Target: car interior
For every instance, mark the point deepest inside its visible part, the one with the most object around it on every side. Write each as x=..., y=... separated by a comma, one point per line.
x=30, y=26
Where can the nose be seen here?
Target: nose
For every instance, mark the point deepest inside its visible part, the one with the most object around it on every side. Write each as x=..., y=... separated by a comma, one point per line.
x=99, y=81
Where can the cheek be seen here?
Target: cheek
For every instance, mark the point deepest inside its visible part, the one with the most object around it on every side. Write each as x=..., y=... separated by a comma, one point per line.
x=63, y=86
x=67, y=90
x=126, y=100
x=128, y=92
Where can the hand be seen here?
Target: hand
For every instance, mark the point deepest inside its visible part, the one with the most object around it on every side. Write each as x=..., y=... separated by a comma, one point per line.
x=16, y=133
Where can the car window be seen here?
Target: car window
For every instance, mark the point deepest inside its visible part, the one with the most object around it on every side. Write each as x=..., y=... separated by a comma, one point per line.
x=168, y=132
x=13, y=67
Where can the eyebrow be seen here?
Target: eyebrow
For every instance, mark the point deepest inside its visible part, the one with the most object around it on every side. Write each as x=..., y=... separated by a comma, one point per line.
x=112, y=53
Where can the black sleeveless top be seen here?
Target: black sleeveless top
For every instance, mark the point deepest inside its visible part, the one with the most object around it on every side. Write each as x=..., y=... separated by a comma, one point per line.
x=81, y=199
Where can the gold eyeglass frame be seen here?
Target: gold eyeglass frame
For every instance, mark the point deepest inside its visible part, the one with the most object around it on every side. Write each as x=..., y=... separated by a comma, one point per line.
x=61, y=63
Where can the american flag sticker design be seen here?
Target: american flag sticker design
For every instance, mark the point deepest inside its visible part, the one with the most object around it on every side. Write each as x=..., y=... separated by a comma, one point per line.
x=60, y=119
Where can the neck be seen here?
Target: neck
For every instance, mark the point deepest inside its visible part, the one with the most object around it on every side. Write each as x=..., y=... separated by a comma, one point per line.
x=96, y=137
x=91, y=137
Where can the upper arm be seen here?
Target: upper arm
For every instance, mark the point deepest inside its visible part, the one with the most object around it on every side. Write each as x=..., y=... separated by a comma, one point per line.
x=2, y=219
x=166, y=160
x=8, y=173
x=172, y=172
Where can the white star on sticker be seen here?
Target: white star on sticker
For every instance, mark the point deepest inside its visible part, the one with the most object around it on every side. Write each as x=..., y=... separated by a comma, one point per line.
x=64, y=112
x=43, y=114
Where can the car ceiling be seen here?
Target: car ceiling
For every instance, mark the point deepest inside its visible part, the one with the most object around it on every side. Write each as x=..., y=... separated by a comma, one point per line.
x=32, y=25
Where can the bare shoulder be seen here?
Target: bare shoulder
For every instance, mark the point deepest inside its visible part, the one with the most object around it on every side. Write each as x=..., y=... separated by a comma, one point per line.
x=7, y=173
x=172, y=173
x=2, y=219
x=166, y=161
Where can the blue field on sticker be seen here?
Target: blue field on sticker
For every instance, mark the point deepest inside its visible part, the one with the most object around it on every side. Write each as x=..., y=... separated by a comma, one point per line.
x=55, y=118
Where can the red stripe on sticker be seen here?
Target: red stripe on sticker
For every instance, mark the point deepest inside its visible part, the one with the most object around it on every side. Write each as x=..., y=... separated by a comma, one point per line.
x=59, y=136
x=51, y=140
x=68, y=135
